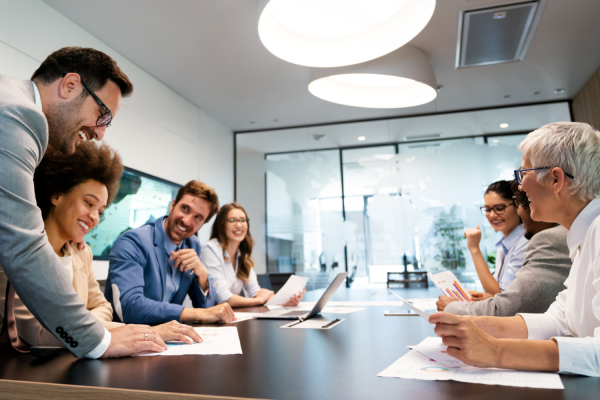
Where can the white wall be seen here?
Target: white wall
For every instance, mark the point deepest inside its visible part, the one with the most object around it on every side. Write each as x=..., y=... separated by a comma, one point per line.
x=156, y=130
x=251, y=195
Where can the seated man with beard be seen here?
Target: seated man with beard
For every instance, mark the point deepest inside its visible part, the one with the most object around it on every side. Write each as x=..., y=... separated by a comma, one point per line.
x=153, y=268
x=546, y=266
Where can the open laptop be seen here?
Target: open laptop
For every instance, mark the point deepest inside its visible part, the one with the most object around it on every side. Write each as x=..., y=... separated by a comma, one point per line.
x=284, y=313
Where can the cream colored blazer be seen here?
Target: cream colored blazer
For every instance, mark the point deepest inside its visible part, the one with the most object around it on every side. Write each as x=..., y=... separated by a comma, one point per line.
x=85, y=284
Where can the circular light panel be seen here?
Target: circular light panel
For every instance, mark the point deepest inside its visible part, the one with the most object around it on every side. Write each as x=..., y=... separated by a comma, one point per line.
x=372, y=91
x=332, y=33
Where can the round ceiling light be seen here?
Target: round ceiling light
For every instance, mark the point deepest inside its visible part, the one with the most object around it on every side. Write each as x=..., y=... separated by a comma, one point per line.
x=404, y=78
x=334, y=33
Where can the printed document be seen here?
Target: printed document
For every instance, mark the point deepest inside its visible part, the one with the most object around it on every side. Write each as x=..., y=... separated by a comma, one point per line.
x=217, y=340
x=414, y=365
x=449, y=284
x=422, y=313
x=294, y=285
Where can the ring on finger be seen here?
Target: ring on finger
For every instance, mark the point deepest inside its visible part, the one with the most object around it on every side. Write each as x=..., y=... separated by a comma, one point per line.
x=145, y=336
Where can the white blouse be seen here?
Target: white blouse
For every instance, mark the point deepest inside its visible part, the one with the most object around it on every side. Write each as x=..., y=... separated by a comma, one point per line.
x=573, y=320
x=222, y=274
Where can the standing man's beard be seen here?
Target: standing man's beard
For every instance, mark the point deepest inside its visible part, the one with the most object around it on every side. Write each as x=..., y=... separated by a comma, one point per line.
x=63, y=125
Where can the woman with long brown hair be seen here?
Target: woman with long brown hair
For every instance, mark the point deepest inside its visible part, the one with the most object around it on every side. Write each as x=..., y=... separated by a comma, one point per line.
x=232, y=275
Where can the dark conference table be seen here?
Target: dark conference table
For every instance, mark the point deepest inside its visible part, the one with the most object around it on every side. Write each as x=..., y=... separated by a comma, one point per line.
x=340, y=363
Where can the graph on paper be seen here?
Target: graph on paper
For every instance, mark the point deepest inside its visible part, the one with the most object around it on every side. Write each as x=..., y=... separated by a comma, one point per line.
x=449, y=284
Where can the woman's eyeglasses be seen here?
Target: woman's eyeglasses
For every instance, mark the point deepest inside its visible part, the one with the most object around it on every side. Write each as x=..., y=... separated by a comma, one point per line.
x=241, y=221
x=498, y=209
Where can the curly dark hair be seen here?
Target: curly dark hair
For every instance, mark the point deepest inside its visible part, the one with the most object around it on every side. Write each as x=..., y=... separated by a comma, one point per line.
x=93, y=66
x=519, y=196
x=59, y=173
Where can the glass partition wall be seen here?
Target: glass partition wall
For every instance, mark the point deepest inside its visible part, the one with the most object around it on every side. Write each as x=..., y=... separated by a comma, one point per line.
x=376, y=208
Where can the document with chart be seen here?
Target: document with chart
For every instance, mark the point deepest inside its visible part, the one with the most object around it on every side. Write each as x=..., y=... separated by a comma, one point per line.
x=442, y=367
x=449, y=284
x=216, y=340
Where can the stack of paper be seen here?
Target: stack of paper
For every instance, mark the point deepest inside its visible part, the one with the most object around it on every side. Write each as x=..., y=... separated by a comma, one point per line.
x=415, y=365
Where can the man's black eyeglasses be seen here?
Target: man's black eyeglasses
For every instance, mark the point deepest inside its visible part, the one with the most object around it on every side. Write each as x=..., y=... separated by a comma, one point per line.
x=104, y=119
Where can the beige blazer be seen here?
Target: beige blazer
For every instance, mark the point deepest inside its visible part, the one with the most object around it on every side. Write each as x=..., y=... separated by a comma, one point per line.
x=86, y=286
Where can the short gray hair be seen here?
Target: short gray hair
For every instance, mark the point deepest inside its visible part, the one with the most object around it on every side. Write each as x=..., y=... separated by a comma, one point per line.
x=572, y=146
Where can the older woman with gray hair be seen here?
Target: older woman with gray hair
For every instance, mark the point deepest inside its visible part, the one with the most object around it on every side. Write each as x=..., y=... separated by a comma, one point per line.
x=561, y=175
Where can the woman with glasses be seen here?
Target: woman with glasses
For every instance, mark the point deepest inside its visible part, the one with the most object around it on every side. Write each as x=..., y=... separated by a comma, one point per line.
x=73, y=191
x=501, y=212
x=232, y=275
x=560, y=173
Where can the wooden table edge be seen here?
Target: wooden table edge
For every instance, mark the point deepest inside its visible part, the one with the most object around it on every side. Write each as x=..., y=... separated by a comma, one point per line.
x=35, y=390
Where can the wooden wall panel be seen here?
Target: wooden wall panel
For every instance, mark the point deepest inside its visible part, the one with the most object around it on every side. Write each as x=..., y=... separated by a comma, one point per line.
x=586, y=104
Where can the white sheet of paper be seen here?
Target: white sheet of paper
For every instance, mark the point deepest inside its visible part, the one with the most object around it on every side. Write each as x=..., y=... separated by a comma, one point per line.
x=313, y=323
x=294, y=285
x=424, y=304
x=450, y=286
x=414, y=365
x=433, y=347
x=422, y=313
x=243, y=316
x=217, y=340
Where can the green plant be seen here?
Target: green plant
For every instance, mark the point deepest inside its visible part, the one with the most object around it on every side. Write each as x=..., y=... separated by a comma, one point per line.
x=449, y=229
x=491, y=260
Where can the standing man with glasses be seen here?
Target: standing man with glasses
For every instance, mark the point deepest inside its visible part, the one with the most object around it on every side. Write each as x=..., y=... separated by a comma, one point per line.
x=56, y=107
x=501, y=212
x=154, y=267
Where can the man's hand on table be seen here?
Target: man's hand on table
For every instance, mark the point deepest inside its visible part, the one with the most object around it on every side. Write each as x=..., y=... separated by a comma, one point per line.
x=175, y=331
x=217, y=314
x=133, y=339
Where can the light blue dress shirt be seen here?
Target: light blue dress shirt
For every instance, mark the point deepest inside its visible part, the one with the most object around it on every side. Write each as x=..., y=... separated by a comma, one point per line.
x=173, y=274
x=510, y=252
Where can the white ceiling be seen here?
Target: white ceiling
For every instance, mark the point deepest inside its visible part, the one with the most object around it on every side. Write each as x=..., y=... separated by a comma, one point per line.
x=209, y=52
x=404, y=130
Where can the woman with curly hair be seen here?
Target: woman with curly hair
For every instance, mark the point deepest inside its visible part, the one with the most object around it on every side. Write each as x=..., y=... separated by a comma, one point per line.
x=230, y=275
x=72, y=191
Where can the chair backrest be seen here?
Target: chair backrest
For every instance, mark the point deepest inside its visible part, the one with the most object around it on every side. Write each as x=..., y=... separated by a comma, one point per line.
x=278, y=280
x=264, y=281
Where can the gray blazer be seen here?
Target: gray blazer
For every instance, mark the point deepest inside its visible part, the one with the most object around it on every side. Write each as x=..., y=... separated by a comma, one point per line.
x=546, y=266
x=27, y=258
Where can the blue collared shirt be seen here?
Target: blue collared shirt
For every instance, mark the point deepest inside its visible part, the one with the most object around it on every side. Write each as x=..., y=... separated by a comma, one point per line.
x=173, y=274
x=510, y=251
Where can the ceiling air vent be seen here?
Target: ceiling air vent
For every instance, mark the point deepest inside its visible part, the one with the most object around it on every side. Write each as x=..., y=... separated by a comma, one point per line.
x=496, y=34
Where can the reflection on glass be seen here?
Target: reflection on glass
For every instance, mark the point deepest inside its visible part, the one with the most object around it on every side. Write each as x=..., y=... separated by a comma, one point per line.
x=406, y=206
x=141, y=198
x=306, y=231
